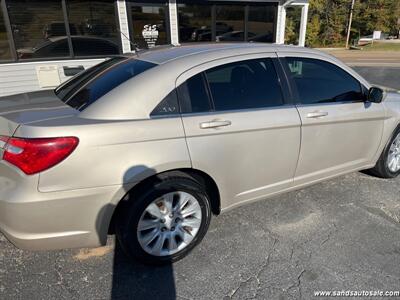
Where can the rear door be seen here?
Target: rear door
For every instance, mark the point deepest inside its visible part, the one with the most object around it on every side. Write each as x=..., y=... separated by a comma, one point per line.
x=239, y=128
x=341, y=132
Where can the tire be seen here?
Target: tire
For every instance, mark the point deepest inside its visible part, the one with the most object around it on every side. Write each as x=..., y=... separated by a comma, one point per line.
x=383, y=169
x=172, y=232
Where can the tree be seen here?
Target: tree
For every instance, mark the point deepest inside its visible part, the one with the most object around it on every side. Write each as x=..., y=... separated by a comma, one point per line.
x=328, y=20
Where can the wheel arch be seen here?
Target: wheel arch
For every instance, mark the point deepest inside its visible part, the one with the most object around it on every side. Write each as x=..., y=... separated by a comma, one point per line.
x=201, y=177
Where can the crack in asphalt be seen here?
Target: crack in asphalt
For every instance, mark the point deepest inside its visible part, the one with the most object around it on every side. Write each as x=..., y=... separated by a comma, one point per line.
x=330, y=234
x=61, y=282
x=297, y=285
x=256, y=275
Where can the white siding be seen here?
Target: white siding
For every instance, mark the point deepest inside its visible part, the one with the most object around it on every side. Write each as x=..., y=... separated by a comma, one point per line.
x=21, y=77
x=173, y=20
x=124, y=26
x=281, y=24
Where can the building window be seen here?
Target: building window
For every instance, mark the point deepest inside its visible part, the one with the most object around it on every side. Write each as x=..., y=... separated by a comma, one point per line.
x=261, y=24
x=93, y=27
x=5, y=52
x=38, y=29
x=194, y=23
x=149, y=26
x=229, y=24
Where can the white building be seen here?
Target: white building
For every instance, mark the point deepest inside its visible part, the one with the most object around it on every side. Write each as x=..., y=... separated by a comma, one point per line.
x=44, y=42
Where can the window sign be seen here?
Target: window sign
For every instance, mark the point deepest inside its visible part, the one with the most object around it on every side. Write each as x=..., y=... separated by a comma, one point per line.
x=150, y=35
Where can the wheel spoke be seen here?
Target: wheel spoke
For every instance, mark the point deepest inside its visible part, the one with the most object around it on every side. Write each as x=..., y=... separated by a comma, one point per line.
x=183, y=200
x=172, y=245
x=147, y=224
x=392, y=161
x=191, y=209
x=154, y=210
x=168, y=200
x=185, y=235
x=397, y=166
x=158, y=246
x=191, y=222
x=149, y=237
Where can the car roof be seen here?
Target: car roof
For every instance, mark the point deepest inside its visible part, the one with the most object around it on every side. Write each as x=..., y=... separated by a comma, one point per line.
x=165, y=54
x=150, y=87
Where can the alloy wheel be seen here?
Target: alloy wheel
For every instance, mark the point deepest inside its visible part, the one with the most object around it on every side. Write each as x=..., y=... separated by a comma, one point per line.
x=393, y=161
x=169, y=223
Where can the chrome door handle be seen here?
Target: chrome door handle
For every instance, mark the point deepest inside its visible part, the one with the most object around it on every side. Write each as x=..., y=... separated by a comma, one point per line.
x=317, y=114
x=214, y=124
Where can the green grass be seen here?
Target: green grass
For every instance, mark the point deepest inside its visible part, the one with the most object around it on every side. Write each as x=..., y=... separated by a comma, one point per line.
x=379, y=46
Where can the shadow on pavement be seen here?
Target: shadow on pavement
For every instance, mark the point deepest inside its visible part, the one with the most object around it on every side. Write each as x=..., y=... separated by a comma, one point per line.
x=132, y=280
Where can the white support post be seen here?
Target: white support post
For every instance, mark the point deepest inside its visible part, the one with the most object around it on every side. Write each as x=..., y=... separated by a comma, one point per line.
x=303, y=25
x=281, y=25
x=123, y=26
x=173, y=22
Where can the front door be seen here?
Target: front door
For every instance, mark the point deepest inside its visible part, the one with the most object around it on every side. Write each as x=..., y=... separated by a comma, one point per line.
x=341, y=132
x=239, y=129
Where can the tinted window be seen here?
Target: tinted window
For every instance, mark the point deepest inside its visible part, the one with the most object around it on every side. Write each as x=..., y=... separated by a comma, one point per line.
x=319, y=81
x=98, y=82
x=168, y=106
x=194, y=22
x=94, y=46
x=246, y=84
x=229, y=25
x=5, y=52
x=93, y=26
x=194, y=96
x=261, y=24
x=68, y=88
x=36, y=24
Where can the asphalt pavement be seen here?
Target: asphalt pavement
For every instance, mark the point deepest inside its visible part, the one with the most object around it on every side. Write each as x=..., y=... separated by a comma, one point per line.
x=342, y=234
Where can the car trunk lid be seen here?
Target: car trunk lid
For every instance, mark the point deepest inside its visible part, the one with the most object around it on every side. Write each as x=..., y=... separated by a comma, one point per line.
x=31, y=107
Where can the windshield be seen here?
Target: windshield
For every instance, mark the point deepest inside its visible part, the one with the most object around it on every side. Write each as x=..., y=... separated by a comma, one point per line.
x=90, y=85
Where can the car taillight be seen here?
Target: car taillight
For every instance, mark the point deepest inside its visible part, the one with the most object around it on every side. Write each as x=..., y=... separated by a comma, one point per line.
x=36, y=155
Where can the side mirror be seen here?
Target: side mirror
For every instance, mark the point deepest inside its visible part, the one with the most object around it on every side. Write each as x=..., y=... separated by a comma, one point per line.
x=375, y=95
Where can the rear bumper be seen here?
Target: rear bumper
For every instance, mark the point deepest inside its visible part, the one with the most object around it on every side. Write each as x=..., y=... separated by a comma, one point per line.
x=45, y=221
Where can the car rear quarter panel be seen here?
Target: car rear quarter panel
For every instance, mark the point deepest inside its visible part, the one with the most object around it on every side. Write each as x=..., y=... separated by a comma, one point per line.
x=111, y=152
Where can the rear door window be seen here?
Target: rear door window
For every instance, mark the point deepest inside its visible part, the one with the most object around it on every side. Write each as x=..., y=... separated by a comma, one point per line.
x=244, y=85
x=194, y=96
x=234, y=86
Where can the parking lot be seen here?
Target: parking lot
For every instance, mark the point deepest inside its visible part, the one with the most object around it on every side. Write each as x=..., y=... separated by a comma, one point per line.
x=343, y=234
